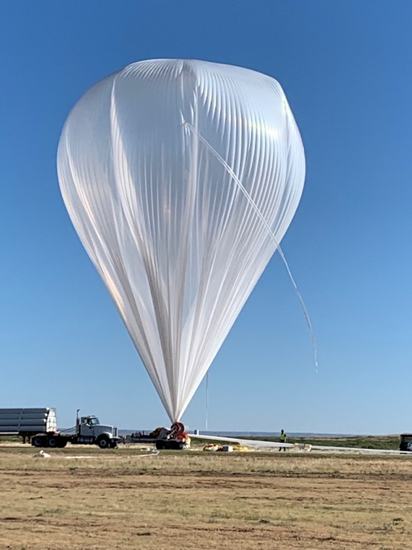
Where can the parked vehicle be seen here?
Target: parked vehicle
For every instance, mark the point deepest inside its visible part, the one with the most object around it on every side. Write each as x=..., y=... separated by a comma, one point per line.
x=39, y=426
x=173, y=438
x=406, y=442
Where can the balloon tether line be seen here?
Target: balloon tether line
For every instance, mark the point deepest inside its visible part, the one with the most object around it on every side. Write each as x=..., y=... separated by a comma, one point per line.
x=269, y=229
x=207, y=400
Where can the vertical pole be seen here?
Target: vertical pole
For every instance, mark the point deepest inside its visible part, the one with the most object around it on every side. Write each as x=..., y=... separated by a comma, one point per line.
x=207, y=400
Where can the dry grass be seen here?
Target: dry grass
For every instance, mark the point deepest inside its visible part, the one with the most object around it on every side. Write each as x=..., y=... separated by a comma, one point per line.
x=120, y=499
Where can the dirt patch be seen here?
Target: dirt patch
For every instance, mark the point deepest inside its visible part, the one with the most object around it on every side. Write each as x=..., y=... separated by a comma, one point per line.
x=194, y=501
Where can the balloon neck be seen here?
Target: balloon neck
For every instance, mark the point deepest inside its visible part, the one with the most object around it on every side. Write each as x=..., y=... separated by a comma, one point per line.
x=177, y=428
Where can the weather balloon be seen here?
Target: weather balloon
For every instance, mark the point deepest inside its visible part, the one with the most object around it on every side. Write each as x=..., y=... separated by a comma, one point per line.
x=181, y=177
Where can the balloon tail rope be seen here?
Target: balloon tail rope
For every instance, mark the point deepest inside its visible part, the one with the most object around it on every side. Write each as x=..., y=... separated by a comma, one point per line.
x=230, y=171
x=207, y=400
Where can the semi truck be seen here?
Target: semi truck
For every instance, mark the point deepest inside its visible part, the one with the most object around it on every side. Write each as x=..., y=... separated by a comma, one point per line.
x=39, y=426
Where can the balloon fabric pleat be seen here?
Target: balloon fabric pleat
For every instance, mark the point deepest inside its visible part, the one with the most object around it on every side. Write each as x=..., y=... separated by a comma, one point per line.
x=148, y=164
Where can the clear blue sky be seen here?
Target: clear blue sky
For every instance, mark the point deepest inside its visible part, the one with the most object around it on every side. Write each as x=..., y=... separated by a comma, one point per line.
x=346, y=69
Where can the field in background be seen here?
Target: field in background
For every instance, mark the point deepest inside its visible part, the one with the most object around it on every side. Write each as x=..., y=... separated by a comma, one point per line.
x=85, y=498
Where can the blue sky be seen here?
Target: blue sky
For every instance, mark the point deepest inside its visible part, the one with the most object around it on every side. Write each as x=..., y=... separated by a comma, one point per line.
x=346, y=69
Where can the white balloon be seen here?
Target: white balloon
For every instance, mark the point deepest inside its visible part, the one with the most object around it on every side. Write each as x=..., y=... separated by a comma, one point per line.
x=175, y=173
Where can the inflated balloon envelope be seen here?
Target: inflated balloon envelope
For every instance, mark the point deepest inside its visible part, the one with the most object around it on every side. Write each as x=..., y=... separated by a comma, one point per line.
x=181, y=177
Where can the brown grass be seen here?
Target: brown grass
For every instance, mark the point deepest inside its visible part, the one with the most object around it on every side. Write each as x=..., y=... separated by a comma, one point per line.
x=121, y=499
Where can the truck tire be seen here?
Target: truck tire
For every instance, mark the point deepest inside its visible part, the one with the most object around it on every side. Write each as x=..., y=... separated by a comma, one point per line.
x=104, y=442
x=37, y=441
x=53, y=442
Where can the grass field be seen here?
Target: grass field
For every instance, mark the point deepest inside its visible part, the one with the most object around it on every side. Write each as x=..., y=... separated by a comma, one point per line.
x=85, y=498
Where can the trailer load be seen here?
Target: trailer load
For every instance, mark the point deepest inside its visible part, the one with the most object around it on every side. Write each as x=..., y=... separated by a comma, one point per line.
x=26, y=422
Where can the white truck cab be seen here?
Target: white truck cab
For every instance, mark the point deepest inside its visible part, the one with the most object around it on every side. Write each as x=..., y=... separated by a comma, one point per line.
x=89, y=430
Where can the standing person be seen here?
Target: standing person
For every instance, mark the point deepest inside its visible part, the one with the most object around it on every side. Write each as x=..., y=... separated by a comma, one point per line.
x=282, y=439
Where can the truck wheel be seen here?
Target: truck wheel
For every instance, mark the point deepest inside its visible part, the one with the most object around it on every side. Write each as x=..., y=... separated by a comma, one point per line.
x=37, y=441
x=53, y=442
x=104, y=442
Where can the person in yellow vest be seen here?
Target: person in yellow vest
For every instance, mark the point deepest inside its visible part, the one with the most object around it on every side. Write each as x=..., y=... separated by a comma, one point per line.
x=282, y=439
